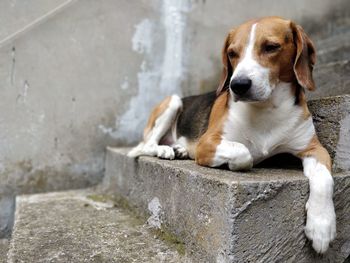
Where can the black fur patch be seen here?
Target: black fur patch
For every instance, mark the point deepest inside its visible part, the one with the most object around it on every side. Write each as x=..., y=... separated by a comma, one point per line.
x=194, y=118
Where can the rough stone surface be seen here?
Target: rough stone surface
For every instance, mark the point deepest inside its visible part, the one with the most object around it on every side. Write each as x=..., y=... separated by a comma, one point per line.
x=4, y=244
x=79, y=226
x=7, y=207
x=224, y=216
x=331, y=117
x=331, y=79
x=334, y=48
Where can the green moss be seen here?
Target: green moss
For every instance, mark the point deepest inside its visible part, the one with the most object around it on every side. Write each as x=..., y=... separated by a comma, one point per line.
x=139, y=219
x=170, y=239
x=122, y=203
x=100, y=198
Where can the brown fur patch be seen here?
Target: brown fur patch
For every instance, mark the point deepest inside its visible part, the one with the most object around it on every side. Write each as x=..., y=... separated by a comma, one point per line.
x=275, y=31
x=292, y=62
x=303, y=104
x=156, y=112
x=206, y=147
x=316, y=150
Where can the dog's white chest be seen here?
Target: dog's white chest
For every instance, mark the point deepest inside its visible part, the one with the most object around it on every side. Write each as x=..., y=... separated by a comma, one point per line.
x=266, y=131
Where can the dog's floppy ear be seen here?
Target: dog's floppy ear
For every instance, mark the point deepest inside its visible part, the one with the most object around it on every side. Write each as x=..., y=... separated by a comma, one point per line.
x=227, y=69
x=305, y=58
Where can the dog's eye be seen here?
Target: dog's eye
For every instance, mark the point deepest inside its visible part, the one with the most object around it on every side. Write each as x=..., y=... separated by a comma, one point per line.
x=271, y=47
x=231, y=54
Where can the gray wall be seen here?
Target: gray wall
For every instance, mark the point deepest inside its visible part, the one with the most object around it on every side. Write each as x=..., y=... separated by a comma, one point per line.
x=76, y=76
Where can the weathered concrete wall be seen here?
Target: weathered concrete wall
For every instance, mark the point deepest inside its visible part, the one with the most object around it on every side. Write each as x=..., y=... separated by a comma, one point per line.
x=76, y=76
x=60, y=81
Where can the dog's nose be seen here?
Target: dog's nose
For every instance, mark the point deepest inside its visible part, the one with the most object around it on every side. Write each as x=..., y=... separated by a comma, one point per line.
x=240, y=86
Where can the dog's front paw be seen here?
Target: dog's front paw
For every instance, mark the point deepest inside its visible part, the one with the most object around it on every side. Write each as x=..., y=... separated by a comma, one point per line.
x=165, y=152
x=243, y=159
x=320, y=226
x=180, y=151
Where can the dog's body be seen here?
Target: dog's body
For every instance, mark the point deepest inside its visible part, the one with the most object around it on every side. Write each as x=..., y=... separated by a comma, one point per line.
x=258, y=110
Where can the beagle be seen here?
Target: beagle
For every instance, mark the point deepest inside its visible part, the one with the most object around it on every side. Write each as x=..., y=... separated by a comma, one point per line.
x=258, y=110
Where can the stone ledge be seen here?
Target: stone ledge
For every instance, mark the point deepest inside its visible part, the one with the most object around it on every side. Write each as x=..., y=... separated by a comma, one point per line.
x=331, y=116
x=223, y=216
x=333, y=48
x=331, y=79
x=82, y=226
x=4, y=244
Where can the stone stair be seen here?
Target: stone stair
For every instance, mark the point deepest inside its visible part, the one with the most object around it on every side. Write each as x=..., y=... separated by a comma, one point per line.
x=84, y=226
x=224, y=216
x=332, y=67
x=4, y=243
x=335, y=47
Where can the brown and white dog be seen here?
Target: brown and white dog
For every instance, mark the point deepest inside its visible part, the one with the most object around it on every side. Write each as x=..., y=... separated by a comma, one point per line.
x=258, y=110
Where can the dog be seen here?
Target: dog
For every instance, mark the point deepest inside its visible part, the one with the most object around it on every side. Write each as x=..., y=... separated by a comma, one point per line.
x=258, y=110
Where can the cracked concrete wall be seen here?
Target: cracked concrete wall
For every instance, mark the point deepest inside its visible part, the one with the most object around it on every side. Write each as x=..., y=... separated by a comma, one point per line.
x=76, y=76
x=60, y=80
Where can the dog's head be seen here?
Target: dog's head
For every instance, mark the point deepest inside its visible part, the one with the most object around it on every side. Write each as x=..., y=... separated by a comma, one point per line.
x=260, y=54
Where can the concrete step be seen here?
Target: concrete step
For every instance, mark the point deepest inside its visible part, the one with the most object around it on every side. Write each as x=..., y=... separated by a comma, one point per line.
x=331, y=116
x=332, y=71
x=333, y=48
x=331, y=79
x=225, y=216
x=4, y=243
x=7, y=207
x=81, y=226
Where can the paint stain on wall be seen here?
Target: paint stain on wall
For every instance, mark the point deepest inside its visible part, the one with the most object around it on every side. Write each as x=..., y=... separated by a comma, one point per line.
x=21, y=97
x=161, y=71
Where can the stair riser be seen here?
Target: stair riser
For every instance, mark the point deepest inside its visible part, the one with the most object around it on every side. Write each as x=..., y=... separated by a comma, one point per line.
x=331, y=79
x=332, y=122
x=232, y=220
x=7, y=207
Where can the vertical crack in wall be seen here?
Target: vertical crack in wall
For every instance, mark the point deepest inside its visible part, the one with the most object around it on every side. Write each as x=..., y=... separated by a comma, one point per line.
x=161, y=71
x=13, y=66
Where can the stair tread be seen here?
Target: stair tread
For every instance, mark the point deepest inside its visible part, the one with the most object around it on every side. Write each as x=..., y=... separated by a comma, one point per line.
x=81, y=226
x=4, y=244
x=333, y=48
x=333, y=42
x=332, y=78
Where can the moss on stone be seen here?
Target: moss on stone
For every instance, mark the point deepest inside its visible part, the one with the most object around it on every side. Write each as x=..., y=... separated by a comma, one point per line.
x=99, y=198
x=170, y=239
x=138, y=219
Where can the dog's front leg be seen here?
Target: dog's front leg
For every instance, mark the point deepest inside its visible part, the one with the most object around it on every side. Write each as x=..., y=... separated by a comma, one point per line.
x=321, y=220
x=213, y=151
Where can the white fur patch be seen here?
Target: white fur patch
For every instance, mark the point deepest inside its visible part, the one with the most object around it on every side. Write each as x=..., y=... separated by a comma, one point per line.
x=180, y=151
x=269, y=128
x=235, y=154
x=248, y=67
x=321, y=220
x=162, y=126
x=165, y=152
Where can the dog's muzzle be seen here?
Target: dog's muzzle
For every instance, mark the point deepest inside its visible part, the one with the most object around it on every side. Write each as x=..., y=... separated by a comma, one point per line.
x=240, y=86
